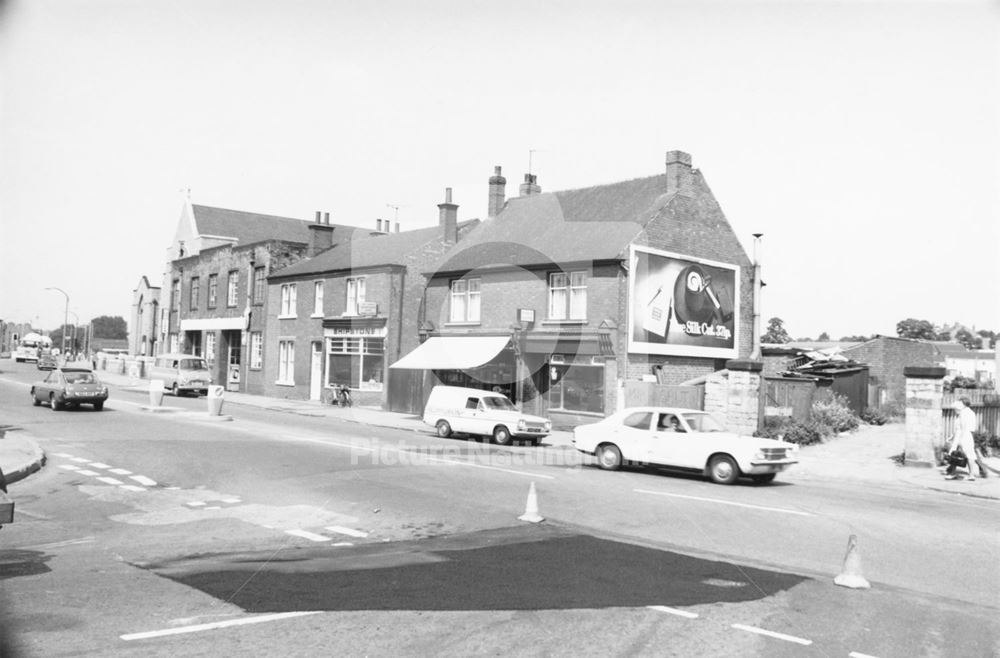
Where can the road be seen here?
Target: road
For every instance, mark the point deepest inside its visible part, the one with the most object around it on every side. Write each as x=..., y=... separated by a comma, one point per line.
x=167, y=534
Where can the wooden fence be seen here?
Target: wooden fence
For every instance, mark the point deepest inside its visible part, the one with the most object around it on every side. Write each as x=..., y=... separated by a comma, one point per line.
x=985, y=403
x=642, y=394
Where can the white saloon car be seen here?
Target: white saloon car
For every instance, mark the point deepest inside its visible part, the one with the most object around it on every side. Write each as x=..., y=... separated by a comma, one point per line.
x=683, y=439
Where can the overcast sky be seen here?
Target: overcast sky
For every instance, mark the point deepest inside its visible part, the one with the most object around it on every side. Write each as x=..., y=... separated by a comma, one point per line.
x=861, y=138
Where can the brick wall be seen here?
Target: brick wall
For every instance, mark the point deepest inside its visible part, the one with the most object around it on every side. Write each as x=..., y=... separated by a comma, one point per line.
x=734, y=396
x=886, y=358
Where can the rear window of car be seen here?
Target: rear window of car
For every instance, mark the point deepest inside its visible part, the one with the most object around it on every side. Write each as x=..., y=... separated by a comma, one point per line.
x=639, y=420
x=79, y=377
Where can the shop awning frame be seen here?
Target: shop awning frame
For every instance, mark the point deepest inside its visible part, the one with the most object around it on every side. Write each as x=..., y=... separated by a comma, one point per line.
x=453, y=353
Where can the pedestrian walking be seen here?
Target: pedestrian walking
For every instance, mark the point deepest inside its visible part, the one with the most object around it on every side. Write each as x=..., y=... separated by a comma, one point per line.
x=963, y=437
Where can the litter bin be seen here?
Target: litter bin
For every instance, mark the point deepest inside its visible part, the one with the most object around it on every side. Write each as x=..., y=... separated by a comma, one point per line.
x=215, y=396
x=155, y=392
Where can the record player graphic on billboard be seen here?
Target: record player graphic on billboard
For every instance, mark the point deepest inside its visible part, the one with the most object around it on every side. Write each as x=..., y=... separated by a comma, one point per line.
x=682, y=305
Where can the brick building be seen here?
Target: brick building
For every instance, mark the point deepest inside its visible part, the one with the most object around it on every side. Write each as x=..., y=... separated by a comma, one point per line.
x=886, y=356
x=216, y=285
x=143, y=333
x=342, y=316
x=560, y=298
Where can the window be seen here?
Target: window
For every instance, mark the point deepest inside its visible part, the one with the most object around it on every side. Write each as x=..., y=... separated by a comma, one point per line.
x=259, y=287
x=287, y=300
x=355, y=295
x=581, y=388
x=175, y=345
x=256, y=350
x=213, y=289
x=568, y=296
x=195, y=291
x=286, y=362
x=318, y=298
x=175, y=295
x=210, y=346
x=231, y=292
x=357, y=362
x=639, y=420
x=465, y=300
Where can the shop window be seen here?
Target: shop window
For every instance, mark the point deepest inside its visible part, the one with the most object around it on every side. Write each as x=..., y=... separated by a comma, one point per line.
x=577, y=388
x=288, y=301
x=466, y=295
x=568, y=296
x=357, y=362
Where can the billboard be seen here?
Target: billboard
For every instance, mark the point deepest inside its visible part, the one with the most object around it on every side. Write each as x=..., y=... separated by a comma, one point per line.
x=682, y=305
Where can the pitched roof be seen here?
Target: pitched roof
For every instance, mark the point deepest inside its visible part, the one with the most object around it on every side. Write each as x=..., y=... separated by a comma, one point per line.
x=592, y=223
x=368, y=250
x=250, y=227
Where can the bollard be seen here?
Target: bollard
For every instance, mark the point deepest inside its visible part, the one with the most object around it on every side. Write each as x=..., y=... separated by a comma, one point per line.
x=155, y=392
x=215, y=397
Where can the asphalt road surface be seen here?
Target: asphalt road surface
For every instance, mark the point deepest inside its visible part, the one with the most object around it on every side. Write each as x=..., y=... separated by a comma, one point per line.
x=156, y=534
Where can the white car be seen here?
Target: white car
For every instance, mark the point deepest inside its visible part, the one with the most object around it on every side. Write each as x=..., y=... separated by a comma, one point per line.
x=683, y=439
x=485, y=413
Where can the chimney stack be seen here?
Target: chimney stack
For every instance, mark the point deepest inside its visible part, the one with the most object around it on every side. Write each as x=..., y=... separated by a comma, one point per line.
x=326, y=218
x=397, y=227
x=530, y=185
x=680, y=180
x=498, y=192
x=318, y=215
x=448, y=213
x=378, y=225
x=321, y=235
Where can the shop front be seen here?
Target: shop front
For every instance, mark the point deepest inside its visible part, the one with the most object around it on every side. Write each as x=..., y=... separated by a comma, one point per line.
x=355, y=357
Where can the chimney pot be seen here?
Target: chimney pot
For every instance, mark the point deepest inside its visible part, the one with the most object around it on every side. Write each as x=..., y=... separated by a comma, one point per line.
x=497, y=194
x=448, y=213
x=317, y=216
x=326, y=218
x=530, y=185
x=378, y=225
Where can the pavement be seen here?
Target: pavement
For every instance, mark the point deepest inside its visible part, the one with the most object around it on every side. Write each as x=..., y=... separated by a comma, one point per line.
x=872, y=454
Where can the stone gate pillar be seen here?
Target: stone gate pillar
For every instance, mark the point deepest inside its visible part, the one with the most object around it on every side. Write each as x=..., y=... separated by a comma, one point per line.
x=924, y=420
x=734, y=395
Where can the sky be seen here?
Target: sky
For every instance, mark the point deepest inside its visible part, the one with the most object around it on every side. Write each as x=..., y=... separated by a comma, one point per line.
x=862, y=139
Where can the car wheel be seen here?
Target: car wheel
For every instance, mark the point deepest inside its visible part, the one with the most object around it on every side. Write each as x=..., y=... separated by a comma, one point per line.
x=723, y=470
x=501, y=435
x=443, y=429
x=53, y=404
x=609, y=457
x=34, y=399
x=98, y=406
x=763, y=478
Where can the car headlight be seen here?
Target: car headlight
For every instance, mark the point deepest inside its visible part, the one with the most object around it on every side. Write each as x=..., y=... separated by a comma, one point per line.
x=521, y=425
x=104, y=390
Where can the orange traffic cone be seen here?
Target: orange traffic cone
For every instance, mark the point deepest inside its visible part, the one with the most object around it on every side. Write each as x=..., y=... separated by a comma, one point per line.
x=851, y=575
x=531, y=514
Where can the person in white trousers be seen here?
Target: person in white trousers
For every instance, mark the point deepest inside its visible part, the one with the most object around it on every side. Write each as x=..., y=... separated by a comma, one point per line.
x=963, y=436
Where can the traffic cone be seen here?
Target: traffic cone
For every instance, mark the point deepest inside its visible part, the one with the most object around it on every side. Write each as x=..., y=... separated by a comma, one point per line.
x=851, y=575
x=531, y=514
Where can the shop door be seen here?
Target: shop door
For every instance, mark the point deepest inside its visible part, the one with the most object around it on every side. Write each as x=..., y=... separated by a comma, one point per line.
x=233, y=369
x=316, y=372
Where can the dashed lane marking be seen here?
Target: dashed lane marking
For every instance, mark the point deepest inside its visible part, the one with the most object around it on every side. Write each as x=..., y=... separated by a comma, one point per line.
x=107, y=480
x=779, y=636
x=219, y=624
x=855, y=654
x=142, y=479
x=62, y=454
x=101, y=466
x=783, y=510
x=80, y=460
x=305, y=534
x=120, y=471
x=343, y=543
x=196, y=503
x=133, y=487
x=350, y=532
x=673, y=611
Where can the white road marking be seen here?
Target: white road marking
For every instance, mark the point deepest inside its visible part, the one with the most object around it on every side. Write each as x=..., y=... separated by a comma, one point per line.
x=855, y=654
x=673, y=611
x=69, y=467
x=195, y=503
x=142, y=479
x=346, y=531
x=80, y=460
x=343, y=543
x=219, y=624
x=108, y=480
x=305, y=534
x=231, y=501
x=59, y=544
x=212, y=507
x=783, y=510
x=121, y=471
x=779, y=636
x=100, y=465
x=84, y=471
x=62, y=454
x=133, y=487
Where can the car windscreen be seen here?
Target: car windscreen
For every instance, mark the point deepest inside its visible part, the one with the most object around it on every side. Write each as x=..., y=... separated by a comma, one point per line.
x=496, y=402
x=79, y=377
x=704, y=423
x=193, y=364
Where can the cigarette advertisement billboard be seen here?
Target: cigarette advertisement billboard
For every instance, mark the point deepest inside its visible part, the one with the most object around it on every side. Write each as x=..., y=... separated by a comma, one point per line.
x=682, y=305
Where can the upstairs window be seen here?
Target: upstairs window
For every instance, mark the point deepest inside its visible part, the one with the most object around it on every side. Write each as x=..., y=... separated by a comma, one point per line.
x=175, y=294
x=288, y=299
x=568, y=296
x=466, y=295
x=213, y=289
x=231, y=293
x=259, y=286
x=355, y=295
x=318, y=298
x=195, y=292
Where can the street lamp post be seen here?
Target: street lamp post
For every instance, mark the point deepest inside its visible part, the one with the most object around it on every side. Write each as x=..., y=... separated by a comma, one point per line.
x=65, y=314
x=76, y=323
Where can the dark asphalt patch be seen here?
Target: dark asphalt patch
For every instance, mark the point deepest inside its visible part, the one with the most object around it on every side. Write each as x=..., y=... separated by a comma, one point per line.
x=553, y=572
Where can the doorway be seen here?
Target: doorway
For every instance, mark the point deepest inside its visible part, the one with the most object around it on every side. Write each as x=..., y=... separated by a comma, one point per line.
x=316, y=371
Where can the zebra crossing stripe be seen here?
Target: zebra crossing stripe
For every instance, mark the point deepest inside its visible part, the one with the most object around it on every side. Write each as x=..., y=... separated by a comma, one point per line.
x=305, y=534
x=142, y=479
x=350, y=532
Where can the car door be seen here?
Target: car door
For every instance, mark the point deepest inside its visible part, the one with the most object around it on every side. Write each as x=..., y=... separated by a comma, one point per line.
x=668, y=440
x=634, y=436
x=467, y=420
x=49, y=384
x=692, y=446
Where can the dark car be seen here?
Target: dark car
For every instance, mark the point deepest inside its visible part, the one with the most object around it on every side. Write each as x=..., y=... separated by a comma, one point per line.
x=47, y=362
x=70, y=386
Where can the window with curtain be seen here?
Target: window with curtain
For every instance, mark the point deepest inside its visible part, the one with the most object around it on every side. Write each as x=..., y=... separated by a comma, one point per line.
x=195, y=292
x=318, y=298
x=288, y=300
x=233, y=288
x=466, y=296
x=568, y=296
x=355, y=295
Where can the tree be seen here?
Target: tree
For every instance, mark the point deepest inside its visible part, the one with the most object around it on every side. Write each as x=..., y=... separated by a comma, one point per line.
x=67, y=330
x=110, y=327
x=776, y=332
x=965, y=337
x=913, y=328
x=824, y=336
x=989, y=338
x=854, y=339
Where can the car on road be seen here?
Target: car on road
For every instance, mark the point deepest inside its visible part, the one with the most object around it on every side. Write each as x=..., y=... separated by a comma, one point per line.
x=182, y=373
x=46, y=362
x=685, y=440
x=69, y=387
x=481, y=413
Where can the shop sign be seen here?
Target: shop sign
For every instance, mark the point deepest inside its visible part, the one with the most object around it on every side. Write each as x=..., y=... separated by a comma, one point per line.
x=368, y=309
x=357, y=332
x=682, y=305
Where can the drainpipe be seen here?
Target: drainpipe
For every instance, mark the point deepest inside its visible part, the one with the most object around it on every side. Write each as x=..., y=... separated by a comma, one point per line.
x=755, y=352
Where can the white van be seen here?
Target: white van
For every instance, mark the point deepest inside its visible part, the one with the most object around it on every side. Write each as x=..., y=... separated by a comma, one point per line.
x=484, y=413
x=181, y=373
